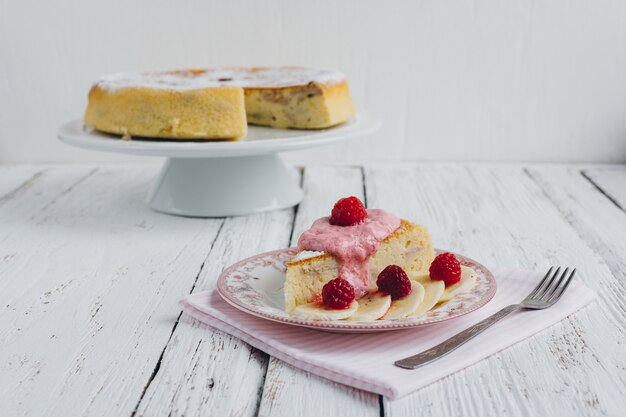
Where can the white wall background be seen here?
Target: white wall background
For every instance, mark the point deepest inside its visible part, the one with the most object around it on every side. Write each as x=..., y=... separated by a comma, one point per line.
x=515, y=80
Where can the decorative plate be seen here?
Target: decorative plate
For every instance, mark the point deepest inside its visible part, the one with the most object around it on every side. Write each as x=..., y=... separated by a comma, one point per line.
x=255, y=286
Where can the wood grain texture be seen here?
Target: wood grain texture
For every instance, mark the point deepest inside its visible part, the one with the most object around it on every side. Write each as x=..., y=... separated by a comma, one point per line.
x=611, y=181
x=500, y=216
x=489, y=80
x=598, y=221
x=17, y=179
x=204, y=371
x=289, y=391
x=89, y=280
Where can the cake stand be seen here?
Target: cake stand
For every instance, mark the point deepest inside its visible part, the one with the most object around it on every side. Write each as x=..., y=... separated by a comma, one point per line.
x=217, y=179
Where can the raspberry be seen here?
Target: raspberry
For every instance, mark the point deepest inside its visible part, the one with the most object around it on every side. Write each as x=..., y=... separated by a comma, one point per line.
x=445, y=268
x=338, y=294
x=394, y=281
x=348, y=212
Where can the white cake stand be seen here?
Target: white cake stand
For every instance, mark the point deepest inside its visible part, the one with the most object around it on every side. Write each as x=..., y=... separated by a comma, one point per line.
x=216, y=179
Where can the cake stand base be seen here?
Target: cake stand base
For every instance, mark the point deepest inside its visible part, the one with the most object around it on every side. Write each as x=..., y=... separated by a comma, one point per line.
x=219, y=187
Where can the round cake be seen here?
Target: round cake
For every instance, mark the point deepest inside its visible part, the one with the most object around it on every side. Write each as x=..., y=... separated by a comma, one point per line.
x=217, y=103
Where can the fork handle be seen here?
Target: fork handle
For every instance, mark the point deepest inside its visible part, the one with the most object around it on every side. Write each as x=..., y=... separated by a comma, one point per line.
x=455, y=341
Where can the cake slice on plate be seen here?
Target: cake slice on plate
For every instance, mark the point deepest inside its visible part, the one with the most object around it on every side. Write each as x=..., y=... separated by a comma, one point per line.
x=365, y=265
x=408, y=246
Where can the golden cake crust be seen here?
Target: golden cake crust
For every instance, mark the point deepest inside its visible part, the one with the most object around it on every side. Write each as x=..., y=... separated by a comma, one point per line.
x=213, y=113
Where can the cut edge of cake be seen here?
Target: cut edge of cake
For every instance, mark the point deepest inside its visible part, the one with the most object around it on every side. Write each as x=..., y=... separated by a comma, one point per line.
x=312, y=106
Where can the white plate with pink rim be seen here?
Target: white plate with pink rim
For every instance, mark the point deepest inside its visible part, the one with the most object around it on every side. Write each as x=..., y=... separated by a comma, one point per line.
x=255, y=286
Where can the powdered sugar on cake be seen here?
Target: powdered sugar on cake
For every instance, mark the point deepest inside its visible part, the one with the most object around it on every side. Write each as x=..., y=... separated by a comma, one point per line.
x=352, y=245
x=306, y=254
x=275, y=77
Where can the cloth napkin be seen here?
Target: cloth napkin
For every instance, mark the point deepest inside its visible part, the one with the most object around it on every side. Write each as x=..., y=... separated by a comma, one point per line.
x=365, y=361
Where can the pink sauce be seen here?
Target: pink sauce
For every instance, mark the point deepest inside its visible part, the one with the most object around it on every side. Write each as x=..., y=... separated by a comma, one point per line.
x=351, y=245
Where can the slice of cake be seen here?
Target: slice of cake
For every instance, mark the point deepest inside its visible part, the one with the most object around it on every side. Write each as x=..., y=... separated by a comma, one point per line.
x=217, y=103
x=367, y=265
x=357, y=253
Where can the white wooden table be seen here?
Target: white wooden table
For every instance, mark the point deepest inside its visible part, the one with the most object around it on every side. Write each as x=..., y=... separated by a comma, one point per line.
x=90, y=279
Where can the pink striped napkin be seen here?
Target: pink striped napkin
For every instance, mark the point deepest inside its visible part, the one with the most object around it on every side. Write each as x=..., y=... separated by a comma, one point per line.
x=365, y=361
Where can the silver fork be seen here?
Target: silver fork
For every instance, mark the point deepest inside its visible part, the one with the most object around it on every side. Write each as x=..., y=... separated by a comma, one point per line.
x=545, y=295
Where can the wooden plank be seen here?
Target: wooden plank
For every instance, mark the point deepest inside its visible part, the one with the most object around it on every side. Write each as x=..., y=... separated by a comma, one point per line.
x=70, y=270
x=208, y=372
x=89, y=294
x=15, y=179
x=29, y=194
x=289, y=391
x=501, y=217
x=26, y=182
x=597, y=220
x=611, y=181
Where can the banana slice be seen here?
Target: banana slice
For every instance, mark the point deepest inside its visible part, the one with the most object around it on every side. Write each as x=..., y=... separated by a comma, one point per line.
x=419, y=277
x=468, y=280
x=315, y=311
x=407, y=305
x=372, y=307
x=433, y=290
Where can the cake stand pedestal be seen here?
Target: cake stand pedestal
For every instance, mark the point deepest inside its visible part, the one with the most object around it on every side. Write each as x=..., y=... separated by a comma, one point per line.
x=217, y=179
x=227, y=186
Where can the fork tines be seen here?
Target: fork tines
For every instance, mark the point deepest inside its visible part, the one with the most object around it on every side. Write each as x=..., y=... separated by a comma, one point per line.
x=552, y=286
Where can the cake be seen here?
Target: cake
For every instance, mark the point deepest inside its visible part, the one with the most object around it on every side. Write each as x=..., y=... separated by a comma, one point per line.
x=217, y=103
x=384, y=264
x=409, y=246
